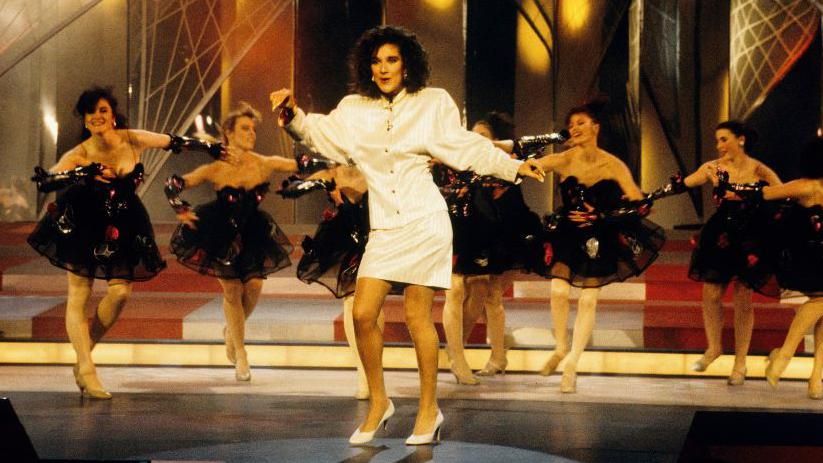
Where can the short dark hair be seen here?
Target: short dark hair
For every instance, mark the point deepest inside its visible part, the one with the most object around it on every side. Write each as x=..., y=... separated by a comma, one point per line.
x=87, y=102
x=415, y=60
x=594, y=108
x=242, y=110
x=739, y=129
x=500, y=124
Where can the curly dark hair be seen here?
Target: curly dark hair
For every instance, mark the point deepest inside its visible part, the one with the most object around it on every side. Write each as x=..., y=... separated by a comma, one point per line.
x=739, y=129
x=415, y=60
x=594, y=108
x=87, y=102
x=243, y=110
x=500, y=124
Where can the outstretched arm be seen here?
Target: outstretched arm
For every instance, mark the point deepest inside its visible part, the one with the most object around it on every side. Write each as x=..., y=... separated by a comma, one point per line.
x=144, y=139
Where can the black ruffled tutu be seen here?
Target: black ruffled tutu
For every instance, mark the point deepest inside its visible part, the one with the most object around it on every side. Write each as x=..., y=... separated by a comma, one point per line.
x=604, y=252
x=332, y=256
x=100, y=230
x=799, y=249
x=733, y=245
x=234, y=239
x=518, y=245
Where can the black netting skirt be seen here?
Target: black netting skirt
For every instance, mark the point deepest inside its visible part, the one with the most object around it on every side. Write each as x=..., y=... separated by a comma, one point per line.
x=232, y=244
x=603, y=253
x=93, y=233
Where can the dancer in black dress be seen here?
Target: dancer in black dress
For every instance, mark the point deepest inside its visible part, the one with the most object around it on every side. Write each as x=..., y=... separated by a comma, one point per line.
x=731, y=246
x=231, y=238
x=98, y=228
x=797, y=245
x=331, y=257
x=595, y=238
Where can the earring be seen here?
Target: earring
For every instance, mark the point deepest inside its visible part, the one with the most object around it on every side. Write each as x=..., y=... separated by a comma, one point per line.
x=372, y=78
x=405, y=75
x=114, y=123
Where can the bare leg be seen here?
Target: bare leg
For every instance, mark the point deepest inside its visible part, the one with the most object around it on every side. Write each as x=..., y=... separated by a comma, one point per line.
x=453, y=323
x=477, y=289
x=348, y=327
x=109, y=309
x=815, y=384
x=583, y=327
x=77, y=328
x=743, y=326
x=808, y=315
x=236, y=324
x=369, y=295
x=418, y=305
x=560, y=319
x=712, y=324
x=496, y=325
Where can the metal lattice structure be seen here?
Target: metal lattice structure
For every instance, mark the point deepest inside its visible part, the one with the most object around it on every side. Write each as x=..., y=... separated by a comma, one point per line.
x=184, y=50
x=767, y=38
x=25, y=25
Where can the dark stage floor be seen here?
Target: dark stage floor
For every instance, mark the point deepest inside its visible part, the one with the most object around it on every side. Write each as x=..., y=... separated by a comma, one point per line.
x=314, y=429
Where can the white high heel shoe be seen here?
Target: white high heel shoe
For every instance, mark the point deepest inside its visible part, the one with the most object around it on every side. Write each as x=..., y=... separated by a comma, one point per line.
x=360, y=438
x=424, y=439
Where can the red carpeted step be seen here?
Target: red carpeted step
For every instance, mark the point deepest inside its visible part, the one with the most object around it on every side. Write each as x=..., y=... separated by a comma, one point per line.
x=396, y=330
x=672, y=326
x=143, y=318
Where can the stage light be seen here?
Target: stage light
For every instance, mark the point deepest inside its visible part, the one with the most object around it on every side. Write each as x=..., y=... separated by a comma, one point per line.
x=575, y=14
x=198, y=124
x=441, y=5
x=51, y=123
x=530, y=49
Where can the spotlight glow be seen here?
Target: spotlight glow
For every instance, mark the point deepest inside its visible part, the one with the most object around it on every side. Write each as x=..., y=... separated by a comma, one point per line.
x=441, y=5
x=530, y=50
x=575, y=14
x=198, y=123
x=51, y=124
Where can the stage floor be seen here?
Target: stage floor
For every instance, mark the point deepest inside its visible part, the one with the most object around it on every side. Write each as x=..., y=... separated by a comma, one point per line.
x=300, y=415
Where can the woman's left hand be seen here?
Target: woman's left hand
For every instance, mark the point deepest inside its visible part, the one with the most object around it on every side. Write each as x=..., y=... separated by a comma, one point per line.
x=531, y=169
x=584, y=218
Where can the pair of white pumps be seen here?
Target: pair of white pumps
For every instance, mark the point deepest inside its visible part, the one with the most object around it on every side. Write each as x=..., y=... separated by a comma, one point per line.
x=360, y=438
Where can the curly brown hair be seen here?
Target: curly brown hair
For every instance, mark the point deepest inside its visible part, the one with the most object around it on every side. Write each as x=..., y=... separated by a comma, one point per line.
x=415, y=60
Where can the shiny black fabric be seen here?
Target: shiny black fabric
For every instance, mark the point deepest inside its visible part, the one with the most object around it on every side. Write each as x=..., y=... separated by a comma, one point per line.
x=604, y=252
x=233, y=238
x=332, y=256
x=733, y=245
x=100, y=230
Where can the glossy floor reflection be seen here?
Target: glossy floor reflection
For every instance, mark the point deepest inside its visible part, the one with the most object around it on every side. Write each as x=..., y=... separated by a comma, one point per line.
x=306, y=416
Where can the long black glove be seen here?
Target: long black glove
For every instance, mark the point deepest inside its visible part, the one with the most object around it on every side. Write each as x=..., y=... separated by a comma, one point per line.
x=307, y=165
x=748, y=191
x=629, y=210
x=178, y=144
x=531, y=146
x=174, y=186
x=675, y=186
x=47, y=182
x=295, y=187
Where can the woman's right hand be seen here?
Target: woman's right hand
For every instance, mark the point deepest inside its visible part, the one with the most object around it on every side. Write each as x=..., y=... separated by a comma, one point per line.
x=189, y=219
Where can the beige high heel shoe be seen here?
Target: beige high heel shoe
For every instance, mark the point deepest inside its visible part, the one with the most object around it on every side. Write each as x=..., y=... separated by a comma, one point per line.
x=551, y=366
x=703, y=362
x=95, y=391
x=568, y=382
x=242, y=371
x=492, y=368
x=737, y=377
x=463, y=375
x=775, y=365
x=815, y=389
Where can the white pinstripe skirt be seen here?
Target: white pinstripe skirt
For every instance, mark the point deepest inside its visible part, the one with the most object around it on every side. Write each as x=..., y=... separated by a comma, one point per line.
x=419, y=253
